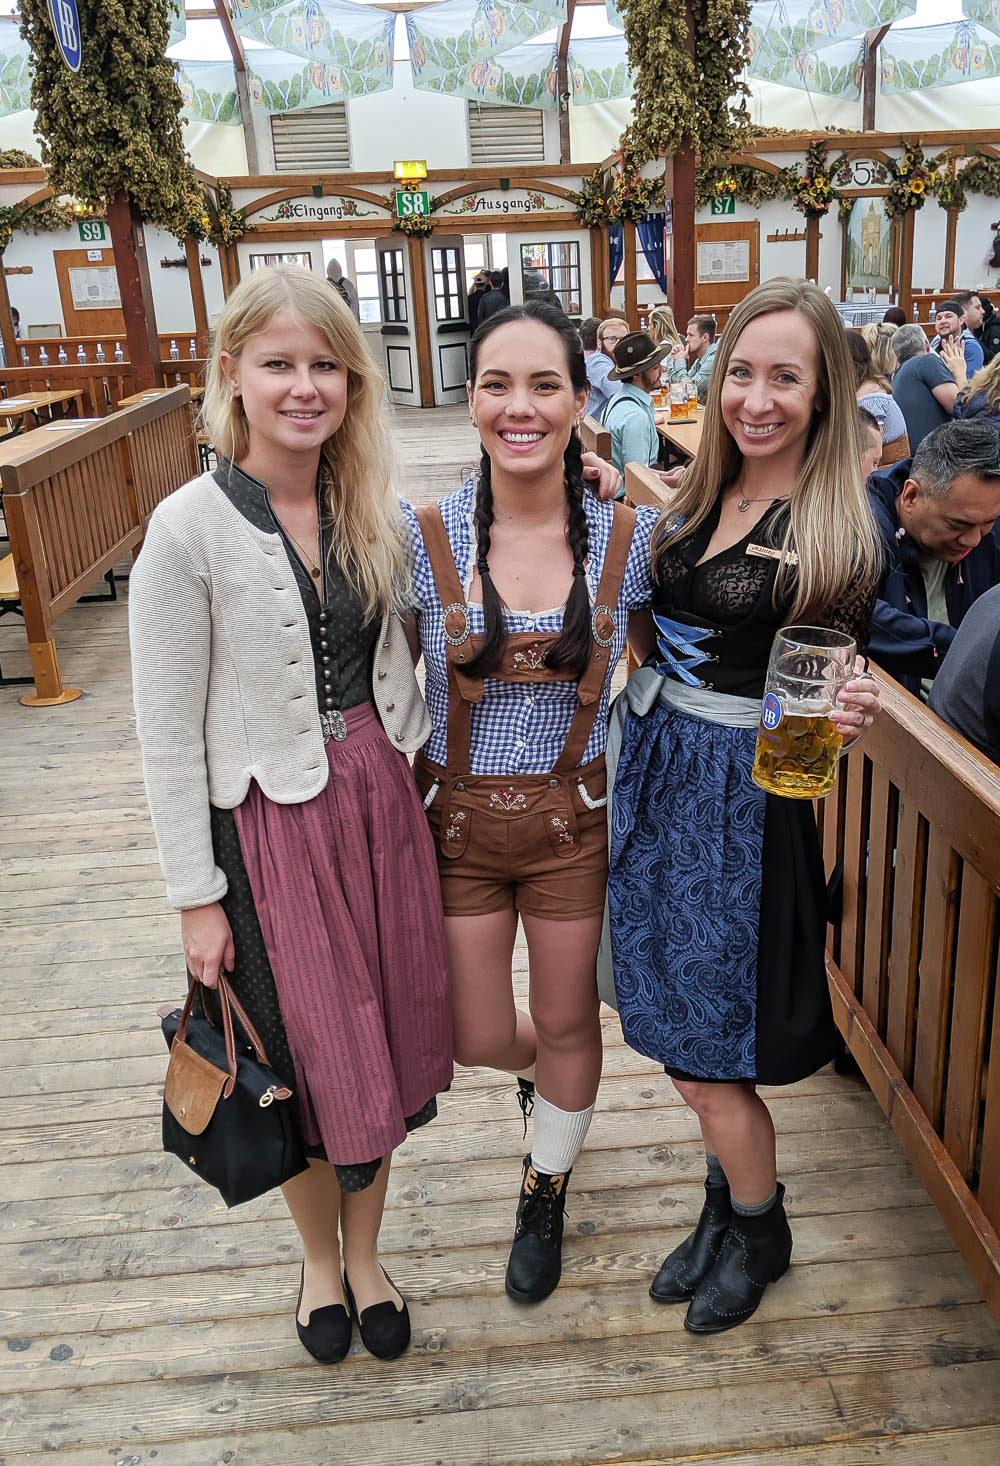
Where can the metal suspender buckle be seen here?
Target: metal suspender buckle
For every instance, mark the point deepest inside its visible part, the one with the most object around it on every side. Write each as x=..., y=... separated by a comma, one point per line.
x=603, y=625
x=452, y=637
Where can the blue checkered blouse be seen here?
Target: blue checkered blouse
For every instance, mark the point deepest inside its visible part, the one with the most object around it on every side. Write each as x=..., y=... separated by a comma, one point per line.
x=519, y=728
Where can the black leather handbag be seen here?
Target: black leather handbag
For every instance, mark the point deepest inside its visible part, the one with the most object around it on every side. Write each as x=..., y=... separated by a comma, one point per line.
x=225, y=1111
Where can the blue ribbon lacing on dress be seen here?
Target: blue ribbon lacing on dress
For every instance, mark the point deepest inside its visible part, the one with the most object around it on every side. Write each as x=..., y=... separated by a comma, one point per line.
x=676, y=643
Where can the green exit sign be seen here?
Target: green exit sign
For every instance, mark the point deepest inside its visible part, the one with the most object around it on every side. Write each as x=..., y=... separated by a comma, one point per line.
x=92, y=231
x=724, y=204
x=410, y=204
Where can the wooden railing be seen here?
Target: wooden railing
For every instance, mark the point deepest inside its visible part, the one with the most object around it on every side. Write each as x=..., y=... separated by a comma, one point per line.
x=30, y=351
x=74, y=509
x=913, y=959
x=595, y=438
x=103, y=385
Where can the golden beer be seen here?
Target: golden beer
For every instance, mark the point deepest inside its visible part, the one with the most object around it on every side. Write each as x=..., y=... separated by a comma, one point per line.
x=797, y=756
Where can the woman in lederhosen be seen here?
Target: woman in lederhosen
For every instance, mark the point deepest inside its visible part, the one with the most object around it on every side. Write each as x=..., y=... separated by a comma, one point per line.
x=523, y=585
x=275, y=700
x=716, y=896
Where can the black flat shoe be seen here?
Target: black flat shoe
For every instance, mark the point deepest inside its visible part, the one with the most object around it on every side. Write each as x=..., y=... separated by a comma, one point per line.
x=384, y=1328
x=327, y=1335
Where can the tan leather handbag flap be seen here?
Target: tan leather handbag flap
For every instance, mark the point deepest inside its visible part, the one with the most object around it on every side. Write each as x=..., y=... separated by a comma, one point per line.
x=192, y=1089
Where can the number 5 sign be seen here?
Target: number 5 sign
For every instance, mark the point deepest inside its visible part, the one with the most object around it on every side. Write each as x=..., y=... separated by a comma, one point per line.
x=66, y=25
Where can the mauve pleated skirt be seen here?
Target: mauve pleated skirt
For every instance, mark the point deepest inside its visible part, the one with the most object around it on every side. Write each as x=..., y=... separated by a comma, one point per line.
x=346, y=890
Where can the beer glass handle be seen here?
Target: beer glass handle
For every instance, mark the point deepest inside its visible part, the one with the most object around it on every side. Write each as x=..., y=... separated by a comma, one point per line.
x=856, y=738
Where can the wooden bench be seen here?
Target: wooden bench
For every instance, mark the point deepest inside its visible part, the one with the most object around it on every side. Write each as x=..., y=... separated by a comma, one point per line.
x=913, y=958
x=79, y=504
x=594, y=438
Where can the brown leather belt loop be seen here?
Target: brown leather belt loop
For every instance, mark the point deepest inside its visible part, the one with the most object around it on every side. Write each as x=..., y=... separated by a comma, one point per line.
x=604, y=628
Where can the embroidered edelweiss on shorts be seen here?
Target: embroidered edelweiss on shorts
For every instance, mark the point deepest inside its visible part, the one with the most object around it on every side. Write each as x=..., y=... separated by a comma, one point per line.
x=507, y=800
x=455, y=823
x=564, y=835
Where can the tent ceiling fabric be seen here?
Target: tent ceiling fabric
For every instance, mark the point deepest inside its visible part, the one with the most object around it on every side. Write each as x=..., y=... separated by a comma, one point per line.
x=15, y=76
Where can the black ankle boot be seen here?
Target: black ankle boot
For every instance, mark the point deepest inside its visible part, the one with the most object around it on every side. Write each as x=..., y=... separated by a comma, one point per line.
x=535, y=1263
x=684, y=1269
x=755, y=1251
x=525, y=1099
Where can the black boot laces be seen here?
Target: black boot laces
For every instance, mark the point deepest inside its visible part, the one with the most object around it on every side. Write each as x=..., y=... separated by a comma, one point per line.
x=540, y=1208
x=525, y=1100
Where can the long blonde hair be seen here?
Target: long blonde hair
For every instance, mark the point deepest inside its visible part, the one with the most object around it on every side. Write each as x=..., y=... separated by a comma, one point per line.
x=357, y=462
x=831, y=527
x=987, y=380
x=878, y=335
x=662, y=326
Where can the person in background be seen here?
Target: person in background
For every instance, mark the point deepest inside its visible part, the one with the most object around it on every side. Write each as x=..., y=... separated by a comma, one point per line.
x=951, y=327
x=602, y=385
x=477, y=290
x=695, y=358
x=15, y=320
x=588, y=335
x=982, y=320
x=871, y=442
x=344, y=287
x=895, y=316
x=663, y=328
x=980, y=398
x=496, y=298
x=937, y=517
x=877, y=336
x=629, y=415
x=874, y=393
x=922, y=385
x=966, y=691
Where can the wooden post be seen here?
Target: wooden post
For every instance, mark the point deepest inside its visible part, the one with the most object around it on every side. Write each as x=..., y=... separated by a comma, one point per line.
x=246, y=112
x=905, y=284
x=599, y=272
x=631, y=292
x=951, y=235
x=679, y=184
x=192, y=249
x=563, y=87
x=421, y=320
x=125, y=224
x=6, y=324
x=812, y=247
x=873, y=40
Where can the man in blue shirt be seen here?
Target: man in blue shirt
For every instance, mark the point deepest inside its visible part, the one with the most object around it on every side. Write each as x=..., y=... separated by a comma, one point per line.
x=952, y=327
x=922, y=386
x=629, y=415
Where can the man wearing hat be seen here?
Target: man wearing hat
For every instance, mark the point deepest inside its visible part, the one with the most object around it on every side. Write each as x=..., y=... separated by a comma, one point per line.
x=629, y=414
x=952, y=328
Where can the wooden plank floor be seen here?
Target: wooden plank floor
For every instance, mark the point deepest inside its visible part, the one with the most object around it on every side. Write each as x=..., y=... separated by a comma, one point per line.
x=146, y=1325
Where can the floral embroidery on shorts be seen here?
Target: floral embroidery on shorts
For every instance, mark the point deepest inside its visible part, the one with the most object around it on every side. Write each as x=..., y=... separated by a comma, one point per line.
x=455, y=822
x=563, y=833
x=507, y=800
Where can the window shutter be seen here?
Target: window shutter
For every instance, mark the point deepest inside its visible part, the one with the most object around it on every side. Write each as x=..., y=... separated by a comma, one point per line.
x=314, y=140
x=499, y=135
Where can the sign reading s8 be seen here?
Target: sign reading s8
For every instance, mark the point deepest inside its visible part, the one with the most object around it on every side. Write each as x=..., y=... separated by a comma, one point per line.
x=410, y=203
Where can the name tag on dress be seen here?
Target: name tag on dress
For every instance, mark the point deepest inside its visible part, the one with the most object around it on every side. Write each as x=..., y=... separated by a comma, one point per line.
x=767, y=552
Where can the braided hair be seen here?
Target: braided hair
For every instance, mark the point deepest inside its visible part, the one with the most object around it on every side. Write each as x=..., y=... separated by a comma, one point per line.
x=573, y=646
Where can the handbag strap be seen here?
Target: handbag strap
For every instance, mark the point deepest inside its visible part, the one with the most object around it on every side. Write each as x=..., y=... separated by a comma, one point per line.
x=228, y=1005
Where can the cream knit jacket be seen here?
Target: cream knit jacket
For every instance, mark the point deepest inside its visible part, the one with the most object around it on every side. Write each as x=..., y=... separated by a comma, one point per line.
x=223, y=679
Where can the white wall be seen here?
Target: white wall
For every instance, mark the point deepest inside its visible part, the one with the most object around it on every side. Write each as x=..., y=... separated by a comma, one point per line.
x=407, y=123
x=974, y=243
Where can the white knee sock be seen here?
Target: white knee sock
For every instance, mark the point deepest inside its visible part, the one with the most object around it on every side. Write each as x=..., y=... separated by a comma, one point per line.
x=558, y=1137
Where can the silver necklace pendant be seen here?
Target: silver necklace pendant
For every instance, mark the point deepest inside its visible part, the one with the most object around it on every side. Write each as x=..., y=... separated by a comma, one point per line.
x=743, y=505
x=334, y=725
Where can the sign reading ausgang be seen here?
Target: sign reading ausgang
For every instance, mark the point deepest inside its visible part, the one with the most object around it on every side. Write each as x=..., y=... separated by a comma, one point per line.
x=66, y=25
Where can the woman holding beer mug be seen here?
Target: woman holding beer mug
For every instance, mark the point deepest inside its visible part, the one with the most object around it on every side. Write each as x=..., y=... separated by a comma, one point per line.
x=716, y=896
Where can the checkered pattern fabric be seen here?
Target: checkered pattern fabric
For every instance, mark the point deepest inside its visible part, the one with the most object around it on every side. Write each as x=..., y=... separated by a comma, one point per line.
x=519, y=728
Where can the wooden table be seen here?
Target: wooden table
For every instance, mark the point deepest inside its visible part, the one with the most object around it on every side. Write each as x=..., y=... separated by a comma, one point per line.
x=23, y=403
x=683, y=437
x=197, y=393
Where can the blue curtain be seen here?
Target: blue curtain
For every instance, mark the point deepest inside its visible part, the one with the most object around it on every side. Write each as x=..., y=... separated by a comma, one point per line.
x=651, y=239
x=616, y=252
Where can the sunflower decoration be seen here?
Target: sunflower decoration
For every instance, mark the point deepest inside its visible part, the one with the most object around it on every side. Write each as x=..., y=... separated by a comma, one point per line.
x=914, y=178
x=591, y=204
x=416, y=225
x=632, y=196
x=230, y=223
x=813, y=191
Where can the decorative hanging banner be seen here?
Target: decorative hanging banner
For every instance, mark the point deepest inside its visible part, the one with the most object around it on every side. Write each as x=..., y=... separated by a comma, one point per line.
x=451, y=36
x=15, y=78
x=278, y=82
x=614, y=15
x=209, y=92
x=835, y=71
x=332, y=209
x=987, y=12
x=524, y=76
x=356, y=38
x=492, y=202
x=800, y=27
x=938, y=56
x=178, y=22
x=599, y=70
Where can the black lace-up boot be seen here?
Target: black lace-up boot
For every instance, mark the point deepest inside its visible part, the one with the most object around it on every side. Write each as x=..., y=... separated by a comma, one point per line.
x=755, y=1251
x=684, y=1269
x=525, y=1099
x=535, y=1263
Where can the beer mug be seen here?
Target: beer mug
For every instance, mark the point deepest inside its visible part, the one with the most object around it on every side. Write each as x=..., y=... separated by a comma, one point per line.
x=692, y=393
x=798, y=746
x=678, y=402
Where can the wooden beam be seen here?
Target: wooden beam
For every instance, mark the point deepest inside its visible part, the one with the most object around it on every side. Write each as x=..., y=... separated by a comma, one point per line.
x=812, y=248
x=950, y=239
x=192, y=250
x=421, y=321
x=905, y=282
x=873, y=40
x=235, y=45
x=232, y=39
x=126, y=228
x=631, y=291
x=678, y=182
x=563, y=87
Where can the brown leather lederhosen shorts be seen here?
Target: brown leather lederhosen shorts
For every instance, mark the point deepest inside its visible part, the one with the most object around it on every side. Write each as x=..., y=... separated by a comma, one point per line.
x=529, y=843
x=536, y=843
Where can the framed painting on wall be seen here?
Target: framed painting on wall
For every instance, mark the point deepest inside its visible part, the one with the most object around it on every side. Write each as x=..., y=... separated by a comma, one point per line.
x=868, y=245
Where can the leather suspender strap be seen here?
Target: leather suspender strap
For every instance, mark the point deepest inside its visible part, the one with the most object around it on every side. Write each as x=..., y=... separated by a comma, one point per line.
x=457, y=626
x=603, y=630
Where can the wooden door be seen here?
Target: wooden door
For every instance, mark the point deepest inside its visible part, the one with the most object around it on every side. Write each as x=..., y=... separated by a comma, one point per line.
x=727, y=265
x=99, y=315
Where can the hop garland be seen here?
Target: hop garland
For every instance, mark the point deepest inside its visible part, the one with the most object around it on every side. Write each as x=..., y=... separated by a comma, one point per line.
x=33, y=218
x=628, y=199
x=415, y=225
x=592, y=203
x=753, y=186
x=914, y=179
x=813, y=192
x=981, y=176
x=228, y=224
